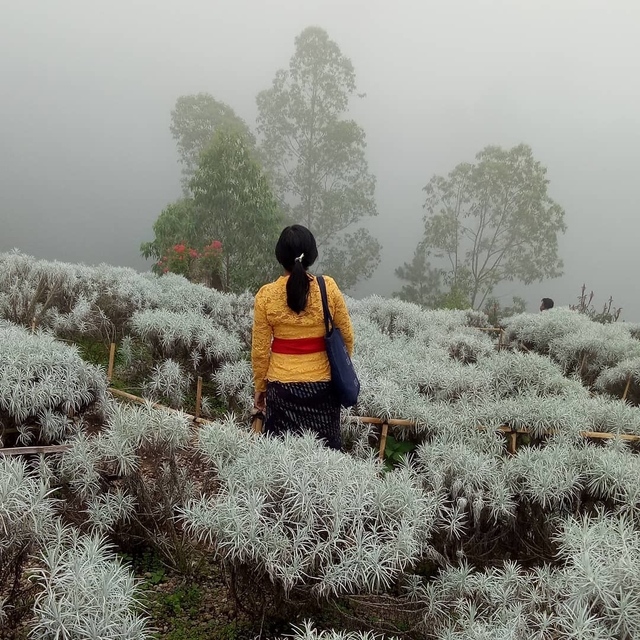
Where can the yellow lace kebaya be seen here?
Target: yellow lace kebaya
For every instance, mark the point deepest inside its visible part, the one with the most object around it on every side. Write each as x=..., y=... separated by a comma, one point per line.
x=274, y=319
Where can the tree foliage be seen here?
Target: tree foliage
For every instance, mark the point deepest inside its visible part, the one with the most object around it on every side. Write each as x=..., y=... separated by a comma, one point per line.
x=175, y=224
x=425, y=284
x=235, y=205
x=497, y=312
x=455, y=298
x=194, y=120
x=317, y=158
x=423, y=281
x=492, y=221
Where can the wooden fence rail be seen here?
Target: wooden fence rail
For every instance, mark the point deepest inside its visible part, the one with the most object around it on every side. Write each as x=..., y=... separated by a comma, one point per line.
x=156, y=405
x=512, y=434
x=385, y=423
x=26, y=451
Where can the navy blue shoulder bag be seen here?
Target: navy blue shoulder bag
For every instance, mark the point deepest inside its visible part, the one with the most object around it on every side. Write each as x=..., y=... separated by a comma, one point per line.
x=343, y=375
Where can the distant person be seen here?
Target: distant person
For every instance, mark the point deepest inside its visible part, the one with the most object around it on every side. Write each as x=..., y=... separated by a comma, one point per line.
x=291, y=369
x=547, y=303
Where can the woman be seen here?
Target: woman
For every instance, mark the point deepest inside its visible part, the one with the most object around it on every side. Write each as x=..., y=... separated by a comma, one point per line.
x=291, y=370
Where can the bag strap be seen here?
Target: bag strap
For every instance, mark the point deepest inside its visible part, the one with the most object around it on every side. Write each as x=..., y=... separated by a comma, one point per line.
x=328, y=320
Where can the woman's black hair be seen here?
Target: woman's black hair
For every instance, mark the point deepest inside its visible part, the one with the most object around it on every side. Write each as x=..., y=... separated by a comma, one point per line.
x=296, y=251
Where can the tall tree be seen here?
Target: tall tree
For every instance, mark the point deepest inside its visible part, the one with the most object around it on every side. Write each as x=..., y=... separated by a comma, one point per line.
x=492, y=221
x=235, y=205
x=423, y=283
x=317, y=158
x=194, y=120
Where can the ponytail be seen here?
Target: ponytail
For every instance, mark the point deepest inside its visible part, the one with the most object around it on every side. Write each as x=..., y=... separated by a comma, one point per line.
x=296, y=251
x=298, y=287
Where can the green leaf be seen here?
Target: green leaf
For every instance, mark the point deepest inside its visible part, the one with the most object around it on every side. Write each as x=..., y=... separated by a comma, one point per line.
x=405, y=447
x=391, y=442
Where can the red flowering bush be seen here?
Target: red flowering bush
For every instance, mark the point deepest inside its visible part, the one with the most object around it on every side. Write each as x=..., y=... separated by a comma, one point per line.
x=198, y=266
x=178, y=259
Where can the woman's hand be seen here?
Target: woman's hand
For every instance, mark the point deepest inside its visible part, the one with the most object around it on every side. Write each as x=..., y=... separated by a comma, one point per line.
x=260, y=401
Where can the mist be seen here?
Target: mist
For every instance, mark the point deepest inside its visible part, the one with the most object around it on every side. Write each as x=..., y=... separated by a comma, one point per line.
x=87, y=161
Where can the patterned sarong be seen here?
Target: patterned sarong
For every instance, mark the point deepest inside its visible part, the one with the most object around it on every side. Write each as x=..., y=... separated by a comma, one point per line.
x=295, y=407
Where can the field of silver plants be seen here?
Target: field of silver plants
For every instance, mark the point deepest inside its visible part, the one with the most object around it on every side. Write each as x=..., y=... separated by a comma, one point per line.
x=455, y=539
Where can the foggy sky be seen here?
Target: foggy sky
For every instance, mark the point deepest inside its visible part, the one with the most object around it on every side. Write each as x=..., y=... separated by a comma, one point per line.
x=87, y=161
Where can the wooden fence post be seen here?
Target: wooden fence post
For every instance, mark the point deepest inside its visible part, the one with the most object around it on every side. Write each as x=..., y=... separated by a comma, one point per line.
x=257, y=422
x=198, y=397
x=112, y=357
x=584, y=359
x=513, y=442
x=383, y=438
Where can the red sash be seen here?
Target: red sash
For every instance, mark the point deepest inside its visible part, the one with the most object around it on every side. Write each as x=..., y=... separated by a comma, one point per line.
x=298, y=346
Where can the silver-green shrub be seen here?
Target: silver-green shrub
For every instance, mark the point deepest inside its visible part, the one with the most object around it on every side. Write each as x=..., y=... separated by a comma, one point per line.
x=235, y=380
x=592, y=594
x=99, y=301
x=86, y=592
x=600, y=590
x=574, y=341
x=187, y=336
x=148, y=451
x=168, y=380
x=617, y=378
x=71, y=299
x=308, y=518
x=27, y=519
x=308, y=632
x=42, y=381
